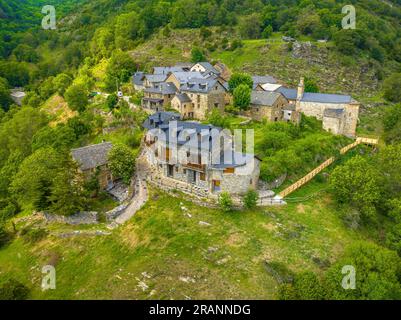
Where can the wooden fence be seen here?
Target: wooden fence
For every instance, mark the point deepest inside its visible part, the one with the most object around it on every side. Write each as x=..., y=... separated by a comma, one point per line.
x=324, y=165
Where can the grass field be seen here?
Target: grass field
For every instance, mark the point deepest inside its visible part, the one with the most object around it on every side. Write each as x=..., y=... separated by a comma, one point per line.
x=172, y=256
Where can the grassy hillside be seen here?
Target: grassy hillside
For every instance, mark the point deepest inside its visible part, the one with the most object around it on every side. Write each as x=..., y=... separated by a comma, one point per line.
x=177, y=258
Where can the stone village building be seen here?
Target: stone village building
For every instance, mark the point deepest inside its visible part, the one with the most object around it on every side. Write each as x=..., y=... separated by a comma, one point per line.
x=339, y=113
x=199, y=89
x=198, y=162
x=93, y=160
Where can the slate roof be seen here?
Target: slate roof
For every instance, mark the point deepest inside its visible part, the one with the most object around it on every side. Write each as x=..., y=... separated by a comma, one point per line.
x=208, y=66
x=160, y=118
x=186, y=76
x=290, y=94
x=263, y=80
x=199, y=85
x=333, y=113
x=163, y=88
x=264, y=98
x=183, y=97
x=155, y=78
x=167, y=70
x=326, y=98
x=91, y=157
x=137, y=78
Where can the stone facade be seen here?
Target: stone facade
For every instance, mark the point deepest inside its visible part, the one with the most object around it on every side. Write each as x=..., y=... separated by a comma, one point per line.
x=270, y=110
x=197, y=167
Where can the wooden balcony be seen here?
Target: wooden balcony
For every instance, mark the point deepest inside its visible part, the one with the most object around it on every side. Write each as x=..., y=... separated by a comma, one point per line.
x=195, y=166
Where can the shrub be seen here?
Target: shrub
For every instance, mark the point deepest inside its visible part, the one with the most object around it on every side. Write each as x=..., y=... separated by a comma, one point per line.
x=13, y=290
x=33, y=235
x=226, y=202
x=251, y=199
x=4, y=236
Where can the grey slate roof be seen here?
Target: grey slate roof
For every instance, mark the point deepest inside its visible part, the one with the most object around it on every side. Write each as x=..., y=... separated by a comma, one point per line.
x=163, y=88
x=159, y=118
x=208, y=66
x=91, y=157
x=183, y=97
x=263, y=80
x=290, y=94
x=186, y=76
x=264, y=98
x=167, y=70
x=138, y=78
x=326, y=98
x=156, y=78
x=333, y=113
x=199, y=85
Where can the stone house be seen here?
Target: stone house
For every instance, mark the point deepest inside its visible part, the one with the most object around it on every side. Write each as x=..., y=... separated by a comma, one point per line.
x=138, y=81
x=158, y=97
x=316, y=104
x=180, y=78
x=198, y=97
x=205, y=68
x=200, y=156
x=269, y=106
x=93, y=160
x=343, y=107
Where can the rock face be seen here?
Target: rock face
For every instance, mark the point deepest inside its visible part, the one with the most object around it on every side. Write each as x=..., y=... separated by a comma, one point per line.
x=302, y=50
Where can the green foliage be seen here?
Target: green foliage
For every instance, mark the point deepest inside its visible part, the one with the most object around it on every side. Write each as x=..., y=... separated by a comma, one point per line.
x=225, y=202
x=16, y=73
x=392, y=88
x=33, y=235
x=392, y=124
x=306, y=286
x=61, y=137
x=13, y=290
x=77, y=98
x=311, y=85
x=250, y=27
x=217, y=118
x=4, y=235
x=119, y=70
x=197, y=55
x=129, y=30
x=111, y=101
x=122, y=162
x=251, y=199
x=267, y=32
x=5, y=100
x=377, y=274
x=62, y=82
x=46, y=180
x=26, y=53
x=357, y=182
x=238, y=79
x=242, y=96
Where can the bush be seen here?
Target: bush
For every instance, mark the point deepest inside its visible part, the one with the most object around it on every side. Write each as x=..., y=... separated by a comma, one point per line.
x=226, y=202
x=33, y=235
x=4, y=236
x=251, y=199
x=13, y=290
x=392, y=88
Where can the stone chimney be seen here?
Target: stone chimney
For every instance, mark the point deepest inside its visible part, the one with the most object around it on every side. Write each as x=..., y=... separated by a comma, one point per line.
x=301, y=88
x=300, y=93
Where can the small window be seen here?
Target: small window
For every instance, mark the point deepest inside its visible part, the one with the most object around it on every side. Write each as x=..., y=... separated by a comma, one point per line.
x=251, y=182
x=184, y=171
x=202, y=176
x=229, y=170
x=176, y=169
x=188, y=154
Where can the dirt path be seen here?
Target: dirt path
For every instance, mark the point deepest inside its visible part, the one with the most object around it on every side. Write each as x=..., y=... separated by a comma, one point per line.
x=141, y=193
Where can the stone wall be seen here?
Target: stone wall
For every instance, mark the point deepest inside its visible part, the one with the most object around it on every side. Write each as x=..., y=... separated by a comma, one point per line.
x=315, y=109
x=76, y=219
